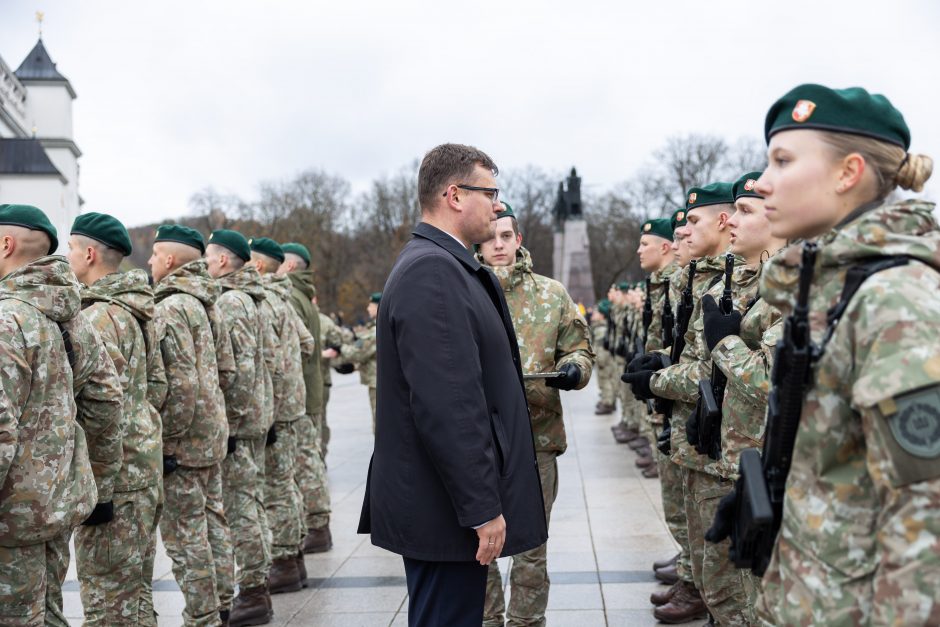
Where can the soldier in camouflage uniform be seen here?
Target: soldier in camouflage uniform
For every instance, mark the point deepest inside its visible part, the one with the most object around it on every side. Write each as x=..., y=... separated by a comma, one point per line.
x=195, y=428
x=361, y=353
x=283, y=501
x=49, y=387
x=115, y=559
x=628, y=429
x=707, y=211
x=552, y=336
x=227, y=256
x=605, y=361
x=311, y=469
x=860, y=535
x=332, y=339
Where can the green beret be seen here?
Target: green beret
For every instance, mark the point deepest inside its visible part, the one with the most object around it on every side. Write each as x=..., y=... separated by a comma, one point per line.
x=746, y=186
x=660, y=227
x=604, y=306
x=31, y=218
x=233, y=240
x=375, y=297
x=677, y=219
x=623, y=286
x=267, y=246
x=103, y=228
x=851, y=110
x=507, y=212
x=181, y=235
x=712, y=194
x=297, y=249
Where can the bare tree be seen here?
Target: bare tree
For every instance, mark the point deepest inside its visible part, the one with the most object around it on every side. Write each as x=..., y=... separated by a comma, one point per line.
x=530, y=191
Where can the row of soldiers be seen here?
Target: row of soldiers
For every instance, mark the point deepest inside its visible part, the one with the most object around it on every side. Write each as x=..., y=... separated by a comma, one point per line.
x=196, y=404
x=791, y=381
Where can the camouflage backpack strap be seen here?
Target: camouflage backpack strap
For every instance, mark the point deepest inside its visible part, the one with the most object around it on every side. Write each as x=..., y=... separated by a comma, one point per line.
x=67, y=340
x=854, y=279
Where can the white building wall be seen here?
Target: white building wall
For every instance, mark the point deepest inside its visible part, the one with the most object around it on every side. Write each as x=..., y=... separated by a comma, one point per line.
x=46, y=192
x=50, y=110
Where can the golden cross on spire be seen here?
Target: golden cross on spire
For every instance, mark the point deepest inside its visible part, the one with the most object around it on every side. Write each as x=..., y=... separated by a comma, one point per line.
x=40, y=15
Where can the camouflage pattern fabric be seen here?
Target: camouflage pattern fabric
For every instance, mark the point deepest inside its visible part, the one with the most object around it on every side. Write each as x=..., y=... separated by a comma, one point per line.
x=551, y=333
x=195, y=430
x=302, y=294
x=629, y=410
x=193, y=500
x=604, y=363
x=330, y=336
x=282, y=499
x=113, y=557
x=115, y=561
x=243, y=498
x=361, y=353
x=528, y=572
x=26, y=575
x=295, y=342
x=860, y=538
x=673, y=495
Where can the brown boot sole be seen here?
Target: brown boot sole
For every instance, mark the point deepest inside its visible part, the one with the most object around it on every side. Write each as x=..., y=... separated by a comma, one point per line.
x=248, y=621
x=323, y=548
x=287, y=587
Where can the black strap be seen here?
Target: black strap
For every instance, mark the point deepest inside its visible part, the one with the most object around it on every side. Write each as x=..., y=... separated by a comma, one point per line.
x=67, y=340
x=854, y=278
x=715, y=281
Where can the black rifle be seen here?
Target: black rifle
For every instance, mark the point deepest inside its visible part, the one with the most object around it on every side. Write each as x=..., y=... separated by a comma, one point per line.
x=641, y=338
x=712, y=391
x=668, y=319
x=759, y=492
x=609, y=332
x=684, y=310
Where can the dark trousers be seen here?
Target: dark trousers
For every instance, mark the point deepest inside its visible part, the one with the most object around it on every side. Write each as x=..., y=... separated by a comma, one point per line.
x=445, y=594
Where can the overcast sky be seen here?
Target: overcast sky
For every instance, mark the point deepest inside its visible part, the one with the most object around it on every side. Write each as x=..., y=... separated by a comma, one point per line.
x=175, y=96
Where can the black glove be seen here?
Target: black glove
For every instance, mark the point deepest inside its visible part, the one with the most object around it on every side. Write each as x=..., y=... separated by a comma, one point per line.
x=606, y=344
x=718, y=325
x=691, y=430
x=169, y=464
x=231, y=446
x=724, y=518
x=648, y=361
x=271, y=438
x=664, y=441
x=639, y=383
x=571, y=377
x=621, y=348
x=344, y=368
x=103, y=513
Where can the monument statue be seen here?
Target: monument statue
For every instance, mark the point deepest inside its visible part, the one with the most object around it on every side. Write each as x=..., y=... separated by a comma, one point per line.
x=572, y=256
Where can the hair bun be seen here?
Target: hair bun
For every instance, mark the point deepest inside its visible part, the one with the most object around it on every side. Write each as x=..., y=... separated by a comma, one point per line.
x=914, y=172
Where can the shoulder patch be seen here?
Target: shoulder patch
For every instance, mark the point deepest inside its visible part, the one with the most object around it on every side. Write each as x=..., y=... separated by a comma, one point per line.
x=916, y=424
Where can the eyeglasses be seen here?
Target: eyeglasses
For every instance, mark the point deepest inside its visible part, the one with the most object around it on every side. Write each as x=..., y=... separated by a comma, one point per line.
x=492, y=192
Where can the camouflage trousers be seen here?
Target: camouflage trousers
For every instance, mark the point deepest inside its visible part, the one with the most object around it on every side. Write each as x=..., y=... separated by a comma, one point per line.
x=310, y=474
x=724, y=588
x=282, y=501
x=197, y=539
x=115, y=561
x=673, y=491
x=629, y=406
x=243, y=488
x=605, y=381
x=324, y=426
x=528, y=572
x=31, y=580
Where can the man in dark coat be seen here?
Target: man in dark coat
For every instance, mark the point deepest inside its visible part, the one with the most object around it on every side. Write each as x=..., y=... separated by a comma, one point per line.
x=453, y=482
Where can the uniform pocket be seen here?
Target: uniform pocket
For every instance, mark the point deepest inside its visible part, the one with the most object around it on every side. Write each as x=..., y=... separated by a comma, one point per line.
x=103, y=549
x=499, y=442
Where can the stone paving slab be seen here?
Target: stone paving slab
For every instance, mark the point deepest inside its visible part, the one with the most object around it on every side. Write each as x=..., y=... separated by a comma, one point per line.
x=607, y=528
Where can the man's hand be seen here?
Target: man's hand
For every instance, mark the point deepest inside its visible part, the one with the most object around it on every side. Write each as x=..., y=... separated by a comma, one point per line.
x=639, y=383
x=718, y=325
x=571, y=377
x=329, y=353
x=492, y=538
x=648, y=361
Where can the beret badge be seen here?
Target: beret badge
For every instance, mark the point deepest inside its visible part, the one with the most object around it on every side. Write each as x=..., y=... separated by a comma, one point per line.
x=803, y=110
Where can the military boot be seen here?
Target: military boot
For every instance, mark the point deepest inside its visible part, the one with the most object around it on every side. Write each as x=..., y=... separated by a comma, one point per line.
x=302, y=569
x=684, y=605
x=638, y=443
x=645, y=461
x=626, y=436
x=603, y=409
x=651, y=473
x=668, y=575
x=318, y=540
x=284, y=576
x=224, y=617
x=669, y=562
x=662, y=598
x=251, y=607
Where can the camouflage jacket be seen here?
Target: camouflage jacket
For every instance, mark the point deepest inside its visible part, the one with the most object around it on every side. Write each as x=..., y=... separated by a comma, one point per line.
x=195, y=428
x=294, y=341
x=361, y=353
x=239, y=306
x=679, y=382
x=301, y=298
x=58, y=423
x=744, y=416
x=654, y=335
x=551, y=332
x=120, y=306
x=330, y=337
x=860, y=538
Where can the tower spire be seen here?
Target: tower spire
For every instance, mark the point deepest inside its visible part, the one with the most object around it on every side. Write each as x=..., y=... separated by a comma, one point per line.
x=40, y=16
